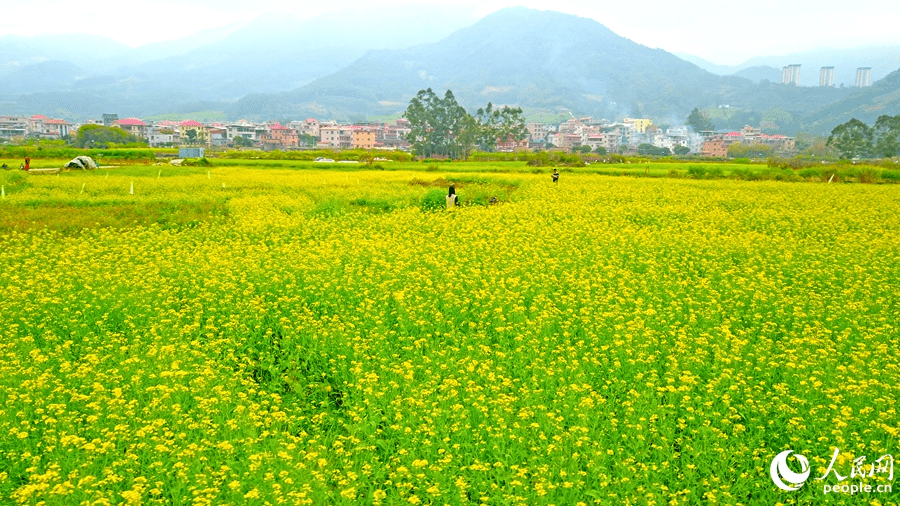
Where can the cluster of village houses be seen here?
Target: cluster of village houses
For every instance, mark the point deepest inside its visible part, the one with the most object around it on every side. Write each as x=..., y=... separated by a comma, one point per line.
x=614, y=137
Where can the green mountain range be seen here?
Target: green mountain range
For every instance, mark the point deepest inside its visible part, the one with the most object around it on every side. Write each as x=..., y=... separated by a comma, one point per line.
x=548, y=61
x=516, y=56
x=545, y=62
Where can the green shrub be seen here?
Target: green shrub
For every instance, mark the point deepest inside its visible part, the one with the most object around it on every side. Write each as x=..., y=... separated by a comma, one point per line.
x=434, y=200
x=696, y=171
x=811, y=173
x=329, y=208
x=373, y=205
x=741, y=173
x=890, y=175
x=867, y=175
x=13, y=181
x=196, y=162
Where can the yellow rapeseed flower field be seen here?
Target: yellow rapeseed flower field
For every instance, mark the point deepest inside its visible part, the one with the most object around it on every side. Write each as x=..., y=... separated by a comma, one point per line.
x=263, y=336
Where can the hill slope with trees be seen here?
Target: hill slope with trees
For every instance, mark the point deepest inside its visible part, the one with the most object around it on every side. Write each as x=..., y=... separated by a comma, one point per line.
x=538, y=60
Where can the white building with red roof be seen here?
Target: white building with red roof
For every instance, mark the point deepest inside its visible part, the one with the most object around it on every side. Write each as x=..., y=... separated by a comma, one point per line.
x=36, y=125
x=57, y=128
x=46, y=128
x=245, y=129
x=310, y=126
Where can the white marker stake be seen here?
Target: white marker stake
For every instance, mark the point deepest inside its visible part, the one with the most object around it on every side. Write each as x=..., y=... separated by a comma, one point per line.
x=131, y=192
x=82, y=188
x=207, y=175
x=160, y=174
x=832, y=177
x=3, y=191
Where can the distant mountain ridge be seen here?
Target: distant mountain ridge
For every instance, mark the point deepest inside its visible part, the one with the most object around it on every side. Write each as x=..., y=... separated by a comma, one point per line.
x=514, y=56
x=268, y=54
x=864, y=104
x=759, y=74
x=538, y=60
x=351, y=67
x=882, y=59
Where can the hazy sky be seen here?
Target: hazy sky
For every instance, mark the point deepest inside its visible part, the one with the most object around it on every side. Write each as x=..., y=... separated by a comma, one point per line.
x=722, y=32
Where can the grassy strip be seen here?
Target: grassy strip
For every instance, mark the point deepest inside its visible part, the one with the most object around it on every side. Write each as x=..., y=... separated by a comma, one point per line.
x=69, y=218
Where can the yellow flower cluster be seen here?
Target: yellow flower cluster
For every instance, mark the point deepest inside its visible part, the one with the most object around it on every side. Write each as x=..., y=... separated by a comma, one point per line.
x=323, y=340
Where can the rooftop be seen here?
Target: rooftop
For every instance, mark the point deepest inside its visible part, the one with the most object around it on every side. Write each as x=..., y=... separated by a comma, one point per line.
x=132, y=122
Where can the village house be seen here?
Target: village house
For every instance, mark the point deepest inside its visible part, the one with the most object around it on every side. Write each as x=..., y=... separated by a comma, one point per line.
x=511, y=145
x=42, y=127
x=13, y=127
x=308, y=127
x=133, y=126
x=393, y=136
x=638, y=124
x=160, y=136
x=330, y=137
x=200, y=133
x=601, y=140
x=780, y=143
x=280, y=137
x=715, y=148
x=538, y=132
x=218, y=135
x=362, y=138
x=716, y=145
x=245, y=129
x=575, y=132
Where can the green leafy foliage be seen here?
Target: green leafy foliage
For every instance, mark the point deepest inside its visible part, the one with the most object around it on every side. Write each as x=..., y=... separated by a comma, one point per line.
x=852, y=139
x=506, y=124
x=439, y=126
x=886, y=135
x=647, y=149
x=755, y=150
x=99, y=136
x=243, y=142
x=700, y=122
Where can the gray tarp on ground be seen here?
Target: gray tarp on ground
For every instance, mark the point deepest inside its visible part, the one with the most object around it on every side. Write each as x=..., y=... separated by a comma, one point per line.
x=82, y=162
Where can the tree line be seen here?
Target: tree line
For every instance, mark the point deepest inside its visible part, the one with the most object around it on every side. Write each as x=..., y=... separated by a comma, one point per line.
x=99, y=136
x=441, y=127
x=855, y=139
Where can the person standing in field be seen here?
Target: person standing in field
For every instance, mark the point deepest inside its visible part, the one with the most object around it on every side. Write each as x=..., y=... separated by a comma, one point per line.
x=27, y=164
x=555, y=176
x=452, y=199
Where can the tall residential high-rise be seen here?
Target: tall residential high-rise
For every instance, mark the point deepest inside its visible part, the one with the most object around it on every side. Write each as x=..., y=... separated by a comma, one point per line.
x=791, y=74
x=863, y=77
x=826, y=76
